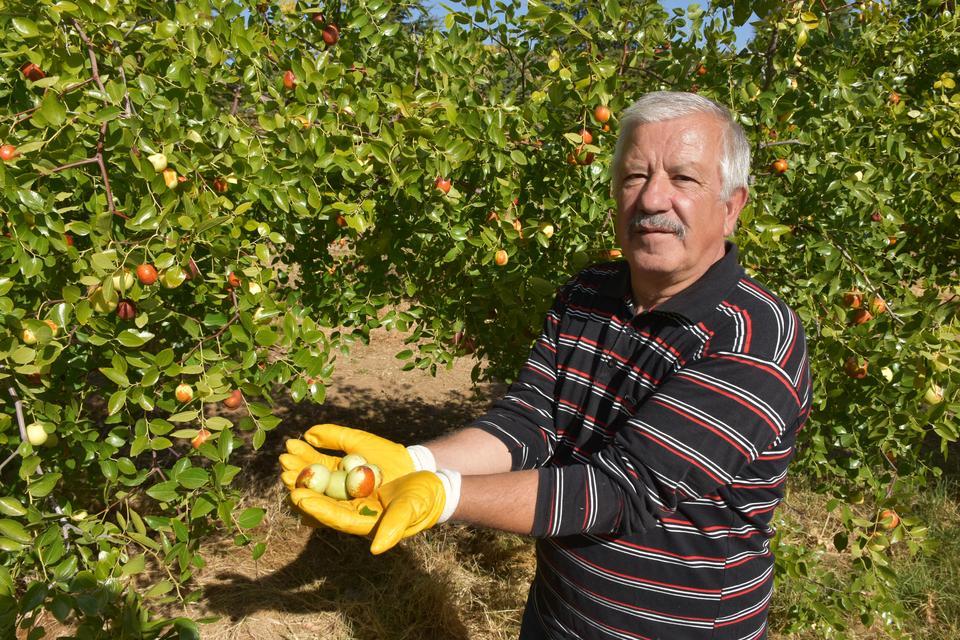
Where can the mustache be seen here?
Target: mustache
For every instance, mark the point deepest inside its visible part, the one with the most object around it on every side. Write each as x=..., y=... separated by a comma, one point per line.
x=657, y=222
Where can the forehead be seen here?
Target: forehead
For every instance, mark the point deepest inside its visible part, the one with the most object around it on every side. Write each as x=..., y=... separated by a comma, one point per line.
x=690, y=139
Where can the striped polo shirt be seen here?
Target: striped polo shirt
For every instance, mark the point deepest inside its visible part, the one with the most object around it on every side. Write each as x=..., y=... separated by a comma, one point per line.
x=662, y=440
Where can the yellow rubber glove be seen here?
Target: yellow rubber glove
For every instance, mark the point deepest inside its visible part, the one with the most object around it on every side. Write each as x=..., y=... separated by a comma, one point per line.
x=399, y=509
x=392, y=458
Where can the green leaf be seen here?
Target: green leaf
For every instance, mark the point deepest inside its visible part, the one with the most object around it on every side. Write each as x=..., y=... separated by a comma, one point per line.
x=25, y=27
x=43, y=486
x=10, y=506
x=163, y=491
x=251, y=517
x=14, y=530
x=53, y=110
x=193, y=478
x=134, y=338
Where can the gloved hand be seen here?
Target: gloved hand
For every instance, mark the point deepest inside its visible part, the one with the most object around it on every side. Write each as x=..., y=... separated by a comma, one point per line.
x=399, y=509
x=393, y=459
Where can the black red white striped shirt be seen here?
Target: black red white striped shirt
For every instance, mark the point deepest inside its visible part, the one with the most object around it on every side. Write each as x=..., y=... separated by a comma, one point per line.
x=663, y=440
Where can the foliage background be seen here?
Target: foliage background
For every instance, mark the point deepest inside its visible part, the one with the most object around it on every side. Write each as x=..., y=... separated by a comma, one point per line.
x=324, y=208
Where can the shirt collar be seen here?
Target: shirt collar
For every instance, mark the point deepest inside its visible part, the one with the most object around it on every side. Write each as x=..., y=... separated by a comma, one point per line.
x=698, y=300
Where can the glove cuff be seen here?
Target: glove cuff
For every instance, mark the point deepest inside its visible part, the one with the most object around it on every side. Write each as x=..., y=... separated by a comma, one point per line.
x=422, y=458
x=450, y=480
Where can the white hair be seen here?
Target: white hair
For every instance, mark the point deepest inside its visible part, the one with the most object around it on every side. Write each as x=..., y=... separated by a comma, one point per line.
x=658, y=106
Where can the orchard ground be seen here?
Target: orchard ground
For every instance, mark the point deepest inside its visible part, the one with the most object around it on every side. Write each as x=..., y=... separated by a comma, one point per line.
x=453, y=582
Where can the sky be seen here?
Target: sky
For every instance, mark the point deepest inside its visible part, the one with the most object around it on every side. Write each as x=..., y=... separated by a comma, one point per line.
x=743, y=33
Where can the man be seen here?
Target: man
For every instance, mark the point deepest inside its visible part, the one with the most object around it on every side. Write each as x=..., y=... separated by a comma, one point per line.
x=646, y=441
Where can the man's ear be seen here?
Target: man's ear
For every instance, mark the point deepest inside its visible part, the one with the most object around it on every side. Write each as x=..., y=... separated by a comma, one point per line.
x=732, y=208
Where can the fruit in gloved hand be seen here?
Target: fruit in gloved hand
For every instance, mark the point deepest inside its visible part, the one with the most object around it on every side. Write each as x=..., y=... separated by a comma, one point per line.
x=363, y=480
x=314, y=477
x=350, y=461
x=337, y=485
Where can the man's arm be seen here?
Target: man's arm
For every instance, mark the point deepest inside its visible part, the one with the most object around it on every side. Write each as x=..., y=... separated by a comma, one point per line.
x=505, y=501
x=470, y=451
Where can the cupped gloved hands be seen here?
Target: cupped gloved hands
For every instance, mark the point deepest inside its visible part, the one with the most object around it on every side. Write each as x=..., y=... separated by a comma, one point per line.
x=398, y=510
x=393, y=459
x=412, y=498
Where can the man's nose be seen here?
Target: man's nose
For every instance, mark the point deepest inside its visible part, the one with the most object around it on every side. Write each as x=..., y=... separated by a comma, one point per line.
x=655, y=196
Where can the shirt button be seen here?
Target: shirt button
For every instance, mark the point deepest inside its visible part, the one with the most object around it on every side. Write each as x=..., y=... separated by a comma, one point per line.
x=608, y=361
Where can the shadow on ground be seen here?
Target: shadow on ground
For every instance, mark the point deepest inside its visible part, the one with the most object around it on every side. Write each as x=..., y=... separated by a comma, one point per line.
x=379, y=597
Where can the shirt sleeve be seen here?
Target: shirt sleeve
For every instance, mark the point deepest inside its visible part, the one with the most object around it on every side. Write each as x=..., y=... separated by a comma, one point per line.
x=691, y=436
x=523, y=419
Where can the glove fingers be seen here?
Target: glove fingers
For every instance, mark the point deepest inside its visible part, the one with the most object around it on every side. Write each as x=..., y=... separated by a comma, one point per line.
x=393, y=527
x=289, y=478
x=330, y=436
x=303, y=450
x=356, y=517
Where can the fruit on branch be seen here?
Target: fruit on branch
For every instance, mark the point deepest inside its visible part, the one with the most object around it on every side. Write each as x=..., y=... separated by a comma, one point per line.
x=202, y=436
x=702, y=70
x=933, y=395
x=855, y=368
x=99, y=302
x=123, y=281
x=126, y=309
x=289, y=79
x=888, y=519
x=183, y=393
x=318, y=18
x=601, y=113
x=500, y=257
x=159, y=161
x=31, y=71
x=29, y=337
x=894, y=98
x=170, y=178
x=54, y=327
x=546, y=229
x=147, y=274
x=780, y=166
x=8, y=152
x=220, y=185
x=331, y=34
x=586, y=136
x=235, y=399
x=315, y=477
x=878, y=306
x=852, y=299
x=36, y=434
x=860, y=316
x=232, y=280
x=442, y=184
x=341, y=221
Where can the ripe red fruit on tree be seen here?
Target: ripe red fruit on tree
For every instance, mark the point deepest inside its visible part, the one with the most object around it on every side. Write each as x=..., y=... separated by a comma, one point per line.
x=861, y=316
x=331, y=34
x=443, y=184
x=232, y=280
x=289, y=80
x=780, y=165
x=501, y=257
x=852, y=299
x=8, y=152
x=876, y=217
x=586, y=136
x=878, y=306
x=68, y=239
x=894, y=97
x=146, y=274
x=235, y=399
x=854, y=368
x=888, y=519
x=702, y=70
x=601, y=113
x=341, y=221
x=183, y=393
x=219, y=184
x=32, y=72
x=126, y=309
x=202, y=436
x=318, y=18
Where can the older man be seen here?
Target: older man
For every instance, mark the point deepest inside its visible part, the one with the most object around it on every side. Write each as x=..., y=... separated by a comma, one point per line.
x=646, y=441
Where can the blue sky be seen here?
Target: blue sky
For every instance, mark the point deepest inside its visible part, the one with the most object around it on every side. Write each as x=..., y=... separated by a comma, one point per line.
x=743, y=33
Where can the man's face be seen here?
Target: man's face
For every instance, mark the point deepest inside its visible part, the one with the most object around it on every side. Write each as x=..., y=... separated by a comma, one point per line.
x=671, y=223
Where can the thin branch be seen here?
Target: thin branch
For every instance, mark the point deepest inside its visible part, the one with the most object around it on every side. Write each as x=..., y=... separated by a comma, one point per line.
x=220, y=332
x=71, y=165
x=771, y=50
x=764, y=145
